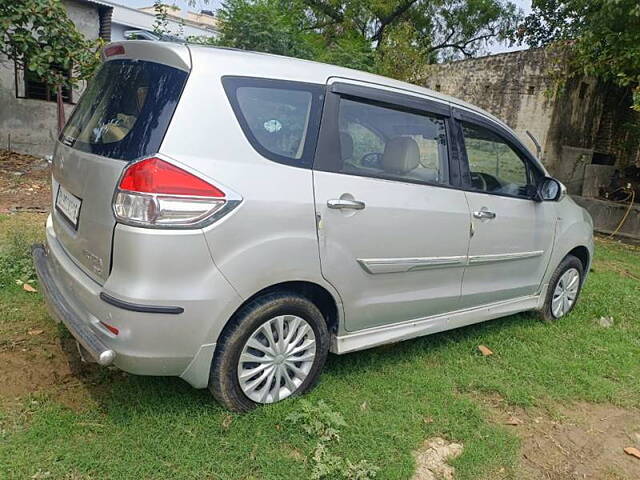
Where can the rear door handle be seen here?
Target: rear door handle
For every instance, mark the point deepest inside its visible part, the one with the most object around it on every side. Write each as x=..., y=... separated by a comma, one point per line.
x=342, y=204
x=484, y=214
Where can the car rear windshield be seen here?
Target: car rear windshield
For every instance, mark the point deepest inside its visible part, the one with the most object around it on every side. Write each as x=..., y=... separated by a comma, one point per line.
x=126, y=109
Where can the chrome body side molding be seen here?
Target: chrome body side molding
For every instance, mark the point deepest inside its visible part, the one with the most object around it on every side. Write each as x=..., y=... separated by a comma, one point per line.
x=372, y=337
x=399, y=265
x=502, y=257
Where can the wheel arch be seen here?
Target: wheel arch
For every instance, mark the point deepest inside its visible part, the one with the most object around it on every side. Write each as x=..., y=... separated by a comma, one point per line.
x=581, y=253
x=319, y=295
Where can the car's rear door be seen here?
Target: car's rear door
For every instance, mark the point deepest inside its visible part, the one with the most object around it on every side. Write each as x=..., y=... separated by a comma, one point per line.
x=393, y=235
x=122, y=116
x=513, y=234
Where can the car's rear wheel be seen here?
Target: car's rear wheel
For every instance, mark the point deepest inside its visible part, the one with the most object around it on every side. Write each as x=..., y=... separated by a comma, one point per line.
x=274, y=347
x=564, y=289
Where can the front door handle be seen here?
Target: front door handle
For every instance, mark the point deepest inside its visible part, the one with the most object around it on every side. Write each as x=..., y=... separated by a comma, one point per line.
x=484, y=214
x=343, y=204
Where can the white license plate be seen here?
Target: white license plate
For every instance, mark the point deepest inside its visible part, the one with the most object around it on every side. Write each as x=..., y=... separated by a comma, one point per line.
x=68, y=205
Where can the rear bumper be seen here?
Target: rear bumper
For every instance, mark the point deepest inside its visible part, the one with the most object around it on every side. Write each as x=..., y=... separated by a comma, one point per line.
x=62, y=310
x=168, y=308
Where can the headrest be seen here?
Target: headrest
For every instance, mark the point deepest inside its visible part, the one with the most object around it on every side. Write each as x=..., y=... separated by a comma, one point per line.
x=346, y=146
x=401, y=155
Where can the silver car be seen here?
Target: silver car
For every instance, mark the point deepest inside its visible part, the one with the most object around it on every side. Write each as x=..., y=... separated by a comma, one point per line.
x=231, y=217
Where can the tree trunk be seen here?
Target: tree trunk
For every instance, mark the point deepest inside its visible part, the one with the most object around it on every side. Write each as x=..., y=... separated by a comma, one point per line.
x=60, y=104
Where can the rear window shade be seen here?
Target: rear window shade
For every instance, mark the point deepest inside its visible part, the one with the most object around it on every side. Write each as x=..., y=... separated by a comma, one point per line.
x=126, y=109
x=279, y=118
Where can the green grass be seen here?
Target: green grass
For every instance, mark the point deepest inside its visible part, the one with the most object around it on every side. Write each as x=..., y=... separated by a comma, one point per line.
x=392, y=397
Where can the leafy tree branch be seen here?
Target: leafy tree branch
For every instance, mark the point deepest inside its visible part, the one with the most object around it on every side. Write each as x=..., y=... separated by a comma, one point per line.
x=393, y=37
x=39, y=36
x=600, y=38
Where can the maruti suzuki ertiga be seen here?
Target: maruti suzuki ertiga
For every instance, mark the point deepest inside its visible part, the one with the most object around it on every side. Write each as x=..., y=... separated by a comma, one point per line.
x=231, y=217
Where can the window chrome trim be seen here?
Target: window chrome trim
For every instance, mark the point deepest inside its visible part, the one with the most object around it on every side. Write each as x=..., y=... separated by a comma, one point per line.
x=377, y=266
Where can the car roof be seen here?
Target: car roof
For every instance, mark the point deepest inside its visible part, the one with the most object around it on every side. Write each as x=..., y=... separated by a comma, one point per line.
x=257, y=64
x=232, y=61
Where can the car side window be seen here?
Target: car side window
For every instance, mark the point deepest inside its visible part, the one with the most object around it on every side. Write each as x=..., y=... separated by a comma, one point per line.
x=279, y=118
x=494, y=166
x=364, y=141
x=379, y=141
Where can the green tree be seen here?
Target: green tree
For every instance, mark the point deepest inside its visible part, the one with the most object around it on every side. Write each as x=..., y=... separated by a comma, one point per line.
x=39, y=36
x=161, y=23
x=274, y=26
x=392, y=37
x=600, y=37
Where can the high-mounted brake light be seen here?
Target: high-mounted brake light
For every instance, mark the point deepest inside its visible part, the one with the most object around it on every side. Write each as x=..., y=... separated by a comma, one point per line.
x=112, y=50
x=155, y=193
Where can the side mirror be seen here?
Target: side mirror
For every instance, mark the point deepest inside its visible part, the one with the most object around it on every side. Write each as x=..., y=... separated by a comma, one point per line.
x=550, y=190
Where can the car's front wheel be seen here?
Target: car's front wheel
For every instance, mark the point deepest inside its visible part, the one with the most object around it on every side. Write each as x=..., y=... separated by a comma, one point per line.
x=275, y=347
x=564, y=289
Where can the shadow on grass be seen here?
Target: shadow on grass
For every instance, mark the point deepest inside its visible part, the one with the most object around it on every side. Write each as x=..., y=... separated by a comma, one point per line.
x=399, y=353
x=122, y=396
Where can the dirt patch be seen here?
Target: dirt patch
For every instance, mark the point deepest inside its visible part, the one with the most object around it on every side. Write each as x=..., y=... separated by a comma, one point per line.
x=575, y=442
x=52, y=366
x=432, y=459
x=294, y=453
x=24, y=183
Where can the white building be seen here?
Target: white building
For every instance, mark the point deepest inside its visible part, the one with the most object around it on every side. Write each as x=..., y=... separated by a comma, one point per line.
x=28, y=112
x=183, y=25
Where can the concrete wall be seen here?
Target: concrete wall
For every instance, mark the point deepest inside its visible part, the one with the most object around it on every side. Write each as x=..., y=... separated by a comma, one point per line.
x=608, y=215
x=31, y=125
x=586, y=118
x=512, y=86
x=590, y=120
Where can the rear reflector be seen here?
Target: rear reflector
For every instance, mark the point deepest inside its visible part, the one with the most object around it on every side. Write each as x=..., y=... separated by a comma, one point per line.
x=111, y=328
x=112, y=50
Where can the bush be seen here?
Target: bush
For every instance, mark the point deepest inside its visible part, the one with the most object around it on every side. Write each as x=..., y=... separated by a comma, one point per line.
x=16, y=265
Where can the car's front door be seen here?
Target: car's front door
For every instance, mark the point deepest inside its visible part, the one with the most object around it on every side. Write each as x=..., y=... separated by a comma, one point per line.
x=393, y=236
x=512, y=235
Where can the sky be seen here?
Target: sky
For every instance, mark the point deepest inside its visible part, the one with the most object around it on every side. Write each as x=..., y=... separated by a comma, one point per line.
x=525, y=5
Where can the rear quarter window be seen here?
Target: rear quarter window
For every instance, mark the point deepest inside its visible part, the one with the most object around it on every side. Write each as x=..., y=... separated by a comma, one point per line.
x=279, y=118
x=126, y=109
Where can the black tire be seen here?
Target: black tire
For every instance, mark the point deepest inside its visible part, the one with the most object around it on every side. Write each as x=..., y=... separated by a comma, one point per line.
x=567, y=263
x=223, y=378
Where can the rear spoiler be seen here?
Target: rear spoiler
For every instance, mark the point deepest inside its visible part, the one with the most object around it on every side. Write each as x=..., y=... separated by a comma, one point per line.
x=173, y=54
x=154, y=37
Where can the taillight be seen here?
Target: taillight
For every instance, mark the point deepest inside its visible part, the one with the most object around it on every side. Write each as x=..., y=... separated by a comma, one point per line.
x=156, y=193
